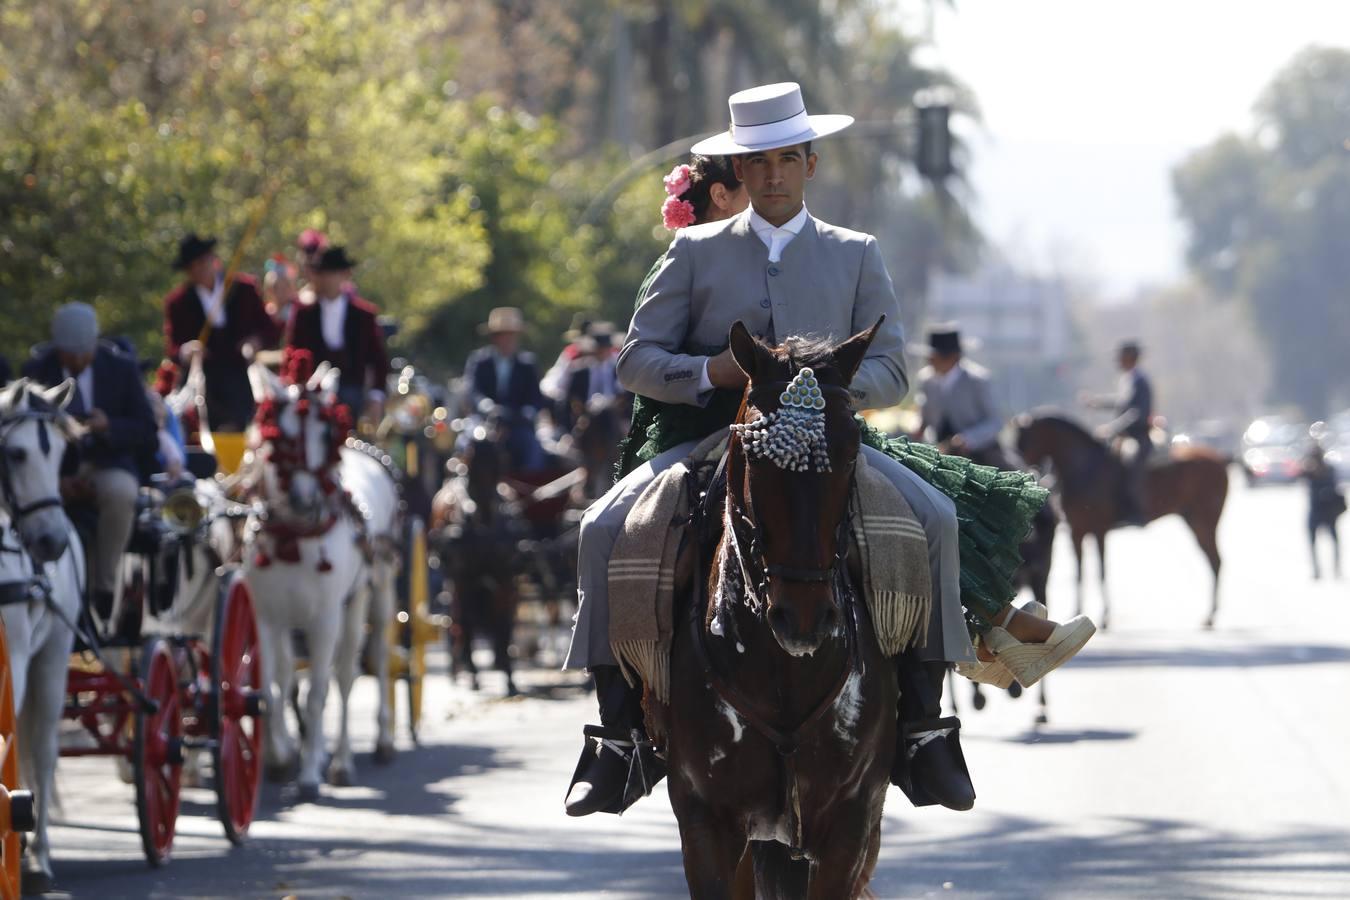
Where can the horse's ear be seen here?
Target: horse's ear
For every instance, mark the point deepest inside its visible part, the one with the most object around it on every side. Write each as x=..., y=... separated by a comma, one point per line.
x=263, y=381
x=14, y=393
x=747, y=351
x=328, y=385
x=59, y=397
x=849, y=355
x=320, y=372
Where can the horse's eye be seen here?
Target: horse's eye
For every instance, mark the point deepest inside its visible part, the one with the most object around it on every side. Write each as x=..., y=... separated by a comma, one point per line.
x=17, y=455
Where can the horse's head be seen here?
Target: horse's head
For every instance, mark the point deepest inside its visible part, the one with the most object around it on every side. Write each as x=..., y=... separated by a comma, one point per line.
x=791, y=469
x=34, y=431
x=1047, y=439
x=1033, y=440
x=301, y=428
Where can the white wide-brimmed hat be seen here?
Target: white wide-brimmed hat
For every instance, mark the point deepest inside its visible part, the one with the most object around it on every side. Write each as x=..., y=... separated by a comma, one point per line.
x=768, y=117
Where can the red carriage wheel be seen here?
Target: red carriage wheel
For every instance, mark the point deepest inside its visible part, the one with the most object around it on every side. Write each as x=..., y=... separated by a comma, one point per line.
x=16, y=806
x=157, y=752
x=236, y=675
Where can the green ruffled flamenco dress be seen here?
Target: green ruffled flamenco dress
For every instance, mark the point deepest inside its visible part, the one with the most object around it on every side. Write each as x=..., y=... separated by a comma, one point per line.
x=994, y=508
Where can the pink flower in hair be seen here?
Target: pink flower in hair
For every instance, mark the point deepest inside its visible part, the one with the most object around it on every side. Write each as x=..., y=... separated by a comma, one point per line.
x=678, y=181
x=677, y=213
x=312, y=240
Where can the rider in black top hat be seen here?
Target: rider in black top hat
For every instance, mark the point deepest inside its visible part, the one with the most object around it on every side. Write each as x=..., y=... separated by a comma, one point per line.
x=200, y=318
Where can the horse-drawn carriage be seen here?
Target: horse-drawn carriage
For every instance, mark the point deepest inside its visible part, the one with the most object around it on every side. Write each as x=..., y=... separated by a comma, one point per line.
x=176, y=676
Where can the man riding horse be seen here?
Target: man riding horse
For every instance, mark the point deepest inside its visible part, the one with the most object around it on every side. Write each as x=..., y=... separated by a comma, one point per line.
x=784, y=273
x=1133, y=406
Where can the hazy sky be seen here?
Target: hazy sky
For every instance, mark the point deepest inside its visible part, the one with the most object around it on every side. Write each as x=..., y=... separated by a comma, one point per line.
x=1087, y=104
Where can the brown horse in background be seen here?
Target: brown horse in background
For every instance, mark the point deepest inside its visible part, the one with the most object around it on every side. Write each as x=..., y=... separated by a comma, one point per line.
x=477, y=534
x=1192, y=483
x=780, y=730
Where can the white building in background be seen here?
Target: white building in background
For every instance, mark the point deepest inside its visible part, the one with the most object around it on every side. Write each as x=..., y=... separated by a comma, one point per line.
x=1022, y=326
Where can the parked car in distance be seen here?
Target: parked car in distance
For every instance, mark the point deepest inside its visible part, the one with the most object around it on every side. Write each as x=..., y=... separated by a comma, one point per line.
x=1273, y=449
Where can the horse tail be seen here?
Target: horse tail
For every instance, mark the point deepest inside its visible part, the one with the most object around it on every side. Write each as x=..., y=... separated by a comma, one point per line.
x=777, y=875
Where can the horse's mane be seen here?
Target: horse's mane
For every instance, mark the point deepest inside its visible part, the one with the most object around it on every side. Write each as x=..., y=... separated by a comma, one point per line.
x=805, y=351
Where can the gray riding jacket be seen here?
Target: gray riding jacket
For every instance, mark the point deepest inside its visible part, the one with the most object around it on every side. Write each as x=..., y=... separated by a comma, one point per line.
x=830, y=282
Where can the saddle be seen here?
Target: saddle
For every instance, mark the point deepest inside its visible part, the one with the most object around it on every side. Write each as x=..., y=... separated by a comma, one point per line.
x=679, y=514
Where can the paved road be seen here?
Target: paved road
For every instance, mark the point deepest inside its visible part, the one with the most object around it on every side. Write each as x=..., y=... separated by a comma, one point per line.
x=1177, y=763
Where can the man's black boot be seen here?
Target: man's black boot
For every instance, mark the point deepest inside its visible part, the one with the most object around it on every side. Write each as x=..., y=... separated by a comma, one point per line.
x=615, y=767
x=929, y=765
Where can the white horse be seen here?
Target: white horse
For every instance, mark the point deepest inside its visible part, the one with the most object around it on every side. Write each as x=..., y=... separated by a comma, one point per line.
x=318, y=563
x=42, y=576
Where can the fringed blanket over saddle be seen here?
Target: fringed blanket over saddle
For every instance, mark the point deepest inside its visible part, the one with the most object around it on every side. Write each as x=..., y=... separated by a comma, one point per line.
x=890, y=541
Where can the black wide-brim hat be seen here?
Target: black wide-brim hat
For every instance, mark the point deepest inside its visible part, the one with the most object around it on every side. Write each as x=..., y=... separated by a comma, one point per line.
x=193, y=248
x=944, y=338
x=334, y=259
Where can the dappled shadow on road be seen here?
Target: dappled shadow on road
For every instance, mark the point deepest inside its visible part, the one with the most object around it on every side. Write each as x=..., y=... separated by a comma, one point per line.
x=408, y=784
x=1247, y=655
x=414, y=785
x=1012, y=858
x=1117, y=857
x=488, y=862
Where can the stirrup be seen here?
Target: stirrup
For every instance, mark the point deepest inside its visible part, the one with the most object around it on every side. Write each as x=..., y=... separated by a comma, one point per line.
x=646, y=767
x=915, y=735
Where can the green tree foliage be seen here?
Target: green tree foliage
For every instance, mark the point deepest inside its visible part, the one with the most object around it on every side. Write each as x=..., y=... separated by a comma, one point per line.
x=1267, y=215
x=454, y=147
x=325, y=114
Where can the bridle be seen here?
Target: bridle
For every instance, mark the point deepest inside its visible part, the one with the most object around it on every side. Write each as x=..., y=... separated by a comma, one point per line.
x=755, y=572
x=289, y=454
x=8, y=423
x=747, y=534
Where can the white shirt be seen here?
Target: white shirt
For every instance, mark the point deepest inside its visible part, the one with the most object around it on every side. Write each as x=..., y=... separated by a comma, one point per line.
x=84, y=383
x=775, y=237
x=213, y=303
x=332, y=321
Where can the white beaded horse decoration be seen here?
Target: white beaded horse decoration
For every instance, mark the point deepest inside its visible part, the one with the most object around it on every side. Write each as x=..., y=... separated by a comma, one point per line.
x=793, y=436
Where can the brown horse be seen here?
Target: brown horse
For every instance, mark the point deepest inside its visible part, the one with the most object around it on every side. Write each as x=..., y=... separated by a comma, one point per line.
x=1192, y=483
x=477, y=534
x=780, y=730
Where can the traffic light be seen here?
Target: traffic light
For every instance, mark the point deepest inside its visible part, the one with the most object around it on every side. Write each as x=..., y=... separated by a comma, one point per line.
x=934, y=153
